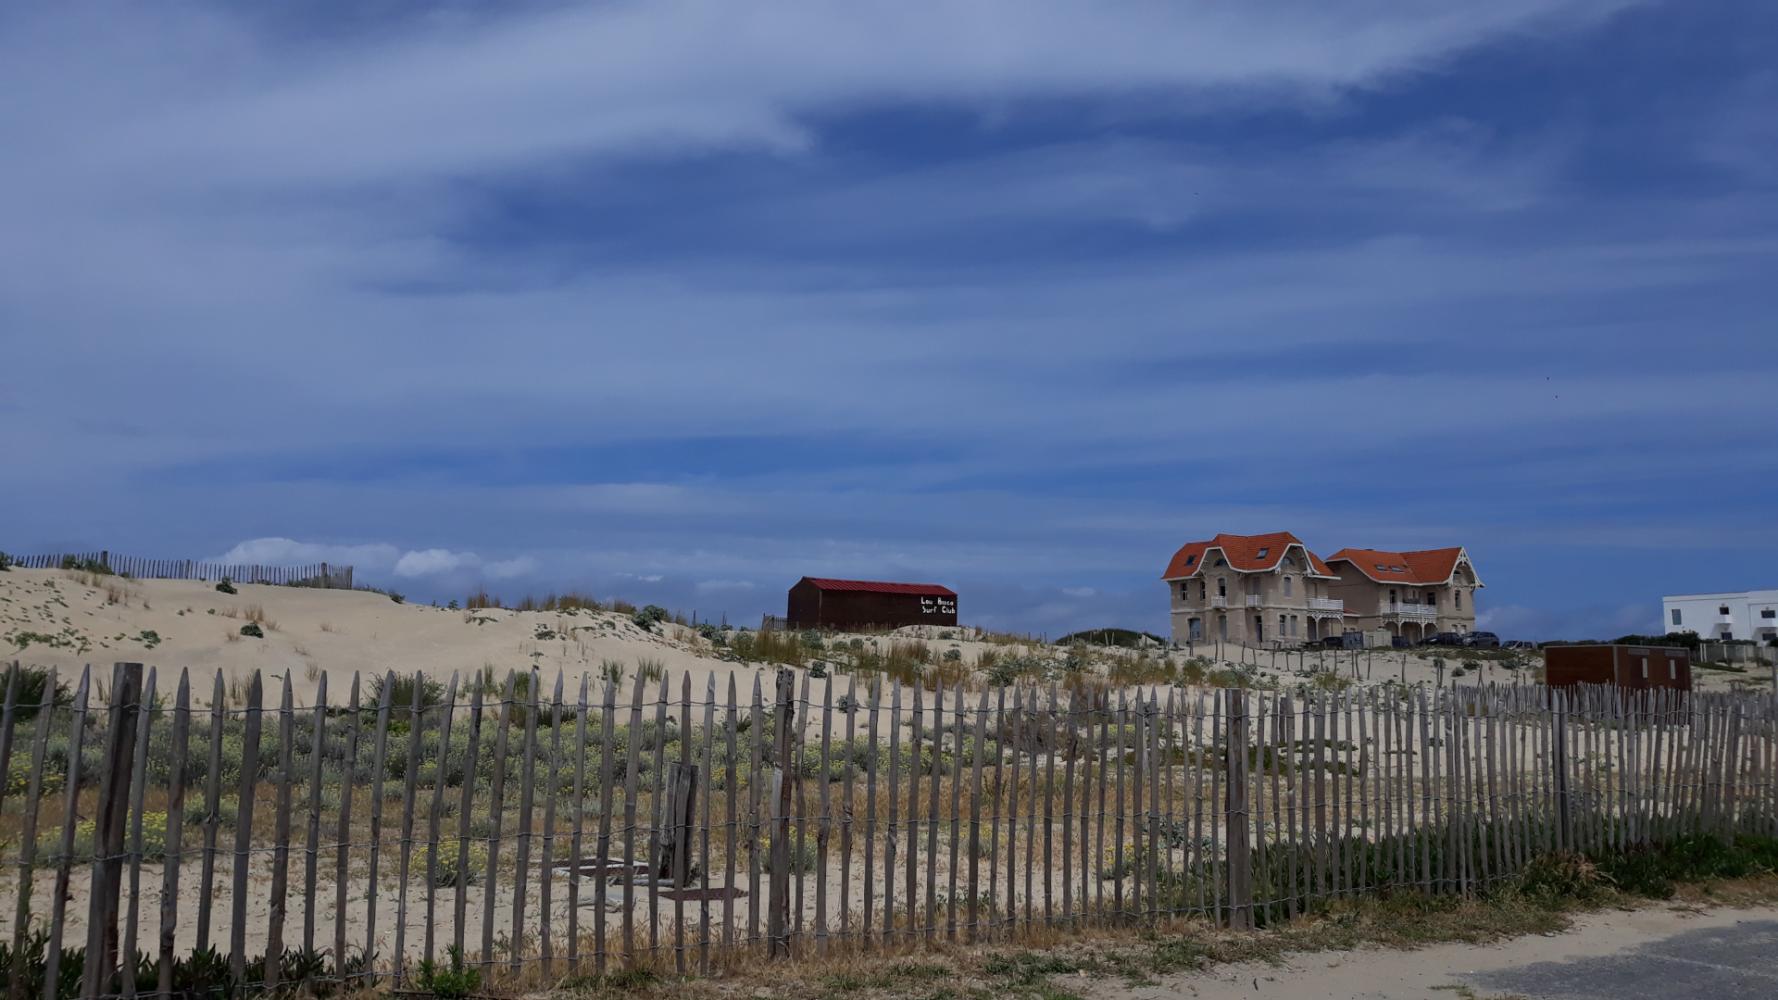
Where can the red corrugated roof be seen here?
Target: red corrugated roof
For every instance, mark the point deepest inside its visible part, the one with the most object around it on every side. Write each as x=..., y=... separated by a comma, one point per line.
x=1242, y=553
x=1427, y=566
x=881, y=587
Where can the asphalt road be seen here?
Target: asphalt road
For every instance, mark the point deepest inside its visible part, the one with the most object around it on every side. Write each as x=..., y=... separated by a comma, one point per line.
x=1716, y=963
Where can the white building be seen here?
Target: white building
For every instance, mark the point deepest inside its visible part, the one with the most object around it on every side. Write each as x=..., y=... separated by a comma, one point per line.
x=1751, y=614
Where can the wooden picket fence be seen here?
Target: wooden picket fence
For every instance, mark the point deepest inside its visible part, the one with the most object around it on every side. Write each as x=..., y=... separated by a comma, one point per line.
x=325, y=575
x=623, y=822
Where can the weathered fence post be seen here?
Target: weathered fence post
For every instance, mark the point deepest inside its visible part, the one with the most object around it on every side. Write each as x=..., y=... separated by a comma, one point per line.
x=108, y=832
x=1559, y=756
x=1235, y=818
x=782, y=783
x=673, y=857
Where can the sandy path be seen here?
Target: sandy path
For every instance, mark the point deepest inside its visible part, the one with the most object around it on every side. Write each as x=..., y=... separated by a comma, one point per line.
x=1446, y=970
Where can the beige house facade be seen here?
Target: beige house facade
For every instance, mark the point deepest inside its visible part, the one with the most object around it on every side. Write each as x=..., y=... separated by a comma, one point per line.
x=1271, y=590
x=1252, y=590
x=1409, y=594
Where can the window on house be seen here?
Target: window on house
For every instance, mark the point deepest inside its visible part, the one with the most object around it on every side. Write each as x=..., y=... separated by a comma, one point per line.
x=1195, y=629
x=1457, y=599
x=1262, y=552
x=1222, y=586
x=1191, y=559
x=1203, y=588
x=1645, y=668
x=1185, y=591
x=1220, y=562
x=1287, y=586
x=1382, y=568
x=1283, y=625
x=1290, y=562
x=1677, y=617
x=1723, y=610
x=1768, y=613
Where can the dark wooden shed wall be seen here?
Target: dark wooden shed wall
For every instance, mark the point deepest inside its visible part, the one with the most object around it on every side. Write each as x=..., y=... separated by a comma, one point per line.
x=810, y=606
x=1621, y=665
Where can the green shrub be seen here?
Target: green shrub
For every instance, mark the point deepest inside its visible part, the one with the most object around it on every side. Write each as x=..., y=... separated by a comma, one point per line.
x=5, y=562
x=401, y=693
x=28, y=698
x=226, y=587
x=649, y=617
x=253, y=631
x=94, y=566
x=453, y=983
x=450, y=875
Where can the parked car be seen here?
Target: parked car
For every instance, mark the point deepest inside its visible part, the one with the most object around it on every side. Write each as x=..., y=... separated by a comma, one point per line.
x=1518, y=644
x=1482, y=640
x=1399, y=642
x=1333, y=642
x=1443, y=639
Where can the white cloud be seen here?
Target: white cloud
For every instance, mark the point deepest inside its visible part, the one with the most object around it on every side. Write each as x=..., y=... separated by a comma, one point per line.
x=290, y=552
x=379, y=557
x=431, y=562
x=712, y=586
x=452, y=95
x=506, y=569
x=1080, y=591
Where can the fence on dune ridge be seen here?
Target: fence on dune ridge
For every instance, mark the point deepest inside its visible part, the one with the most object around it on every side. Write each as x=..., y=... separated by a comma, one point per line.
x=323, y=575
x=651, y=828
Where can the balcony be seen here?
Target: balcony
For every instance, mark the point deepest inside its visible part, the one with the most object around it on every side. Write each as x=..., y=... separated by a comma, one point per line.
x=1333, y=604
x=1253, y=600
x=1219, y=600
x=1410, y=612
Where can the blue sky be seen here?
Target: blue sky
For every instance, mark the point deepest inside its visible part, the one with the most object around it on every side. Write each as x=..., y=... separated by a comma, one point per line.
x=684, y=300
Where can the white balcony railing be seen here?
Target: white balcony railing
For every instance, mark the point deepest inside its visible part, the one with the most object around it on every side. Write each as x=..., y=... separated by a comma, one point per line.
x=1253, y=600
x=1412, y=612
x=1219, y=600
x=1326, y=604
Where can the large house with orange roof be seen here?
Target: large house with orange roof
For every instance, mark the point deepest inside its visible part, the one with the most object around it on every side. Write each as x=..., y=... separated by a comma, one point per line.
x=1410, y=594
x=1252, y=589
x=1265, y=589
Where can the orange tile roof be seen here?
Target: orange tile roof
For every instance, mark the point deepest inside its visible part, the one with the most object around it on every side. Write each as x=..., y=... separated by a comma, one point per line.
x=1242, y=553
x=1426, y=566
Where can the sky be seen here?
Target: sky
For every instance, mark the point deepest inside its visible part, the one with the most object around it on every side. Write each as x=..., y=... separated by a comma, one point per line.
x=684, y=300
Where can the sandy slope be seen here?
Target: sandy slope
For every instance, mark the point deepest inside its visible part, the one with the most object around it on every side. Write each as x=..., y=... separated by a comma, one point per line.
x=310, y=632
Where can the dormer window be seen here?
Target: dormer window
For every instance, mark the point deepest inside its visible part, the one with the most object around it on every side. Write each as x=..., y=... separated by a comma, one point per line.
x=1221, y=562
x=1263, y=551
x=1189, y=560
x=1382, y=568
